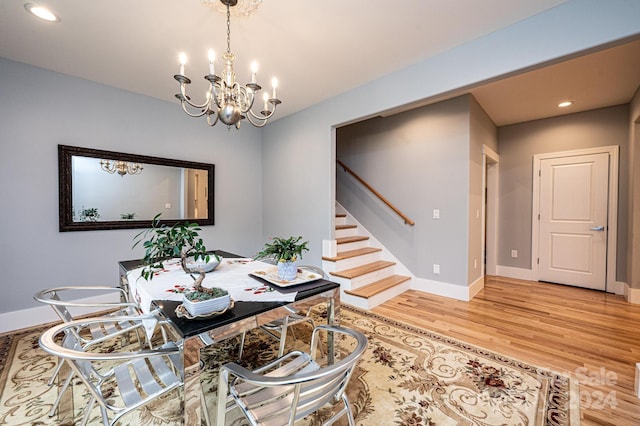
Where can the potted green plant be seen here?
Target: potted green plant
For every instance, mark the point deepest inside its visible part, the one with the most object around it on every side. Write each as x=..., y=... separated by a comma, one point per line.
x=89, y=215
x=286, y=252
x=162, y=242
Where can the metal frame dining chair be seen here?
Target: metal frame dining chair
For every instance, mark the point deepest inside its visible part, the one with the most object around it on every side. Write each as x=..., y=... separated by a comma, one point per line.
x=290, y=387
x=278, y=328
x=139, y=376
x=61, y=300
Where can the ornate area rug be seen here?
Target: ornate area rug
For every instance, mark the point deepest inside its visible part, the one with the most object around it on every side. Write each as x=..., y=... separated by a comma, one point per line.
x=408, y=376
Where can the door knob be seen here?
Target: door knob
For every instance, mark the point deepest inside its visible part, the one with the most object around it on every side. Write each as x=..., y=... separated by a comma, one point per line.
x=597, y=228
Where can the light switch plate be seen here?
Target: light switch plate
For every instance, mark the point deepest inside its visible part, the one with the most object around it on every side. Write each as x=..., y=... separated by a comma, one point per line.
x=436, y=213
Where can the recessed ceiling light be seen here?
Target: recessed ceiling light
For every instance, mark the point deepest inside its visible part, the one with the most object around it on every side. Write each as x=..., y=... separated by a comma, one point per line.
x=41, y=12
x=565, y=104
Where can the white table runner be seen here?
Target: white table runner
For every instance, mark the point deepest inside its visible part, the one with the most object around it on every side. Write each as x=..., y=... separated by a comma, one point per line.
x=232, y=275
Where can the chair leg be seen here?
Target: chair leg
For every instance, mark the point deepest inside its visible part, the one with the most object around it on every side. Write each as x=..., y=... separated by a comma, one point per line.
x=55, y=372
x=313, y=326
x=87, y=412
x=241, y=349
x=205, y=411
x=283, y=337
x=61, y=392
x=352, y=421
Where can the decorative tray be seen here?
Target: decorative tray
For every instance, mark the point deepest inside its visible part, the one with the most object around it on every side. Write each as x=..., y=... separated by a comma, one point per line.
x=181, y=312
x=271, y=275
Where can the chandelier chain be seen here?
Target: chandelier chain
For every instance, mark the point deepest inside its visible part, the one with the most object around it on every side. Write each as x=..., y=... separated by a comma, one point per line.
x=228, y=29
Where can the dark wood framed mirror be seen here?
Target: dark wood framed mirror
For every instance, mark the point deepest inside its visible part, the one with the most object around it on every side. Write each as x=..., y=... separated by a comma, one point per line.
x=112, y=190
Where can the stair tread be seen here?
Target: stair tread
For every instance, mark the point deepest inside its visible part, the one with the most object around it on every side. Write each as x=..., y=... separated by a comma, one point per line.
x=351, y=253
x=341, y=215
x=338, y=227
x=377, y=287
x=363, y=269
x=353, y=239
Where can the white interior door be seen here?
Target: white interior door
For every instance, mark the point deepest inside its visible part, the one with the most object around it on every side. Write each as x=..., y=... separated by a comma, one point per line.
x=573, y=220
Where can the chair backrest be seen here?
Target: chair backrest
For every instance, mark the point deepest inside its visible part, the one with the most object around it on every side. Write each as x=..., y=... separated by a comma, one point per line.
x=298, y=386
x=53, y=297
x=154, y=371
x=61, y=306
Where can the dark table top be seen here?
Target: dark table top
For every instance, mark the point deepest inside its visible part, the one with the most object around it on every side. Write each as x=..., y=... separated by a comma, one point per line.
x=241, y=310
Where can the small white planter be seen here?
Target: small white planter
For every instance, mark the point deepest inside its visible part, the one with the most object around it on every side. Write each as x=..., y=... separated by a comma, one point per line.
x=204, y=307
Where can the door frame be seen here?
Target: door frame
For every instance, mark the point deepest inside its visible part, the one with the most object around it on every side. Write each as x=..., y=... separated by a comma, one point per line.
x=490, y=173
x=612, y=210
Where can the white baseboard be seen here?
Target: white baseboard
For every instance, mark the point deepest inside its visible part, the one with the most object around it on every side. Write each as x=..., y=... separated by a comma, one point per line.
x=16, y=320
x=527, y=274
x=517, y=273
x=632, y=295
x=619, y=287
x=476, y=287
x=453, y=291
x=40, y=315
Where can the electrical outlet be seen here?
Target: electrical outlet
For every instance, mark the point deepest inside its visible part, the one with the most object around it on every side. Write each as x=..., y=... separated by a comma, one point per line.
x=436, y=269
x=436, y=213
x=514, y=253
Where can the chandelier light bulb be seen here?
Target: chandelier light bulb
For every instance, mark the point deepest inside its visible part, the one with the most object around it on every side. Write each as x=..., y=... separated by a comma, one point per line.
x=182, y=57
x=212, y=58
x=274, y=83
x=254, y=70
x=265, y=97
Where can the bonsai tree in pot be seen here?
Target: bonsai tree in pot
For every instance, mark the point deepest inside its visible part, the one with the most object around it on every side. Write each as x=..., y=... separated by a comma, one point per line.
x=182, y=240
x=286, y=252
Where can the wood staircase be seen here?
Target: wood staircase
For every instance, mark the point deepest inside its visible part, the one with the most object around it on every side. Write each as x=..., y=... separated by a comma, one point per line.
x=365, y=278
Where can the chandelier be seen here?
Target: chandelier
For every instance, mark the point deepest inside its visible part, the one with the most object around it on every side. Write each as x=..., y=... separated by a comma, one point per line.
x=122, y=167
x=226, y=100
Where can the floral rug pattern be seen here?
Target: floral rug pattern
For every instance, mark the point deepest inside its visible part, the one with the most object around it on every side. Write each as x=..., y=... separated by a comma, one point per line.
x=407, y=376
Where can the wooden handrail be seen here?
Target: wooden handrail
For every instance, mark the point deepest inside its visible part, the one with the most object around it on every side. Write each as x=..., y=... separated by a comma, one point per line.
x=376, y=193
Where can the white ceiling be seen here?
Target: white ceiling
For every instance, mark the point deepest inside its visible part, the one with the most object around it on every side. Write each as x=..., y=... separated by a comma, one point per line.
x=317, y=49
x=601, y=79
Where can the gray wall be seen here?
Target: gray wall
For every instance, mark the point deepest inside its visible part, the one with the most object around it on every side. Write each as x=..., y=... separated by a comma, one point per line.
x=538, y=40
x=41, y=109
x=482, y=131
x=520, y=142
x=633, y=233
x=418, y=160
x=429, y=158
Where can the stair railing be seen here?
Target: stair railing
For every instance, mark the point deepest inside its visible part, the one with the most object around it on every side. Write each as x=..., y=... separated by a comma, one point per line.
x=376, y=193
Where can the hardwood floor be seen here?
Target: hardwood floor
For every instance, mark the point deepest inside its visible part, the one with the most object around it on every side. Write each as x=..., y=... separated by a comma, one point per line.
x=592, y=336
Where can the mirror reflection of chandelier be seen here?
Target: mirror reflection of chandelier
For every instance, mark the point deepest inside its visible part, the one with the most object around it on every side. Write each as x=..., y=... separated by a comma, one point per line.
x=226, y=100
x=122, y=167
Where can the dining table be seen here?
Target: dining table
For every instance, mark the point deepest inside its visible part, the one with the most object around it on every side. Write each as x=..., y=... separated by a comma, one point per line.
x=258, y=299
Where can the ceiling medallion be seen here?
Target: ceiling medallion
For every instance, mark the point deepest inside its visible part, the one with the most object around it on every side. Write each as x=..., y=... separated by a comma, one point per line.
x=240, y=8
